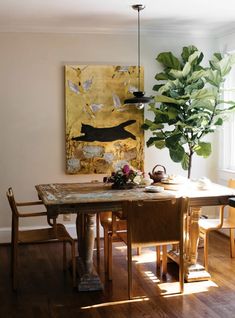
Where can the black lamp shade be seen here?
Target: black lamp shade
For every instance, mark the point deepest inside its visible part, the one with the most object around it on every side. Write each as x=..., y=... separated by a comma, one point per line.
x=138, y=98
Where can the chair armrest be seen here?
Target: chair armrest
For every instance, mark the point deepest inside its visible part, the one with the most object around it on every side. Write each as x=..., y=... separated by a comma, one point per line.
x=31, y=214
x=29, y=203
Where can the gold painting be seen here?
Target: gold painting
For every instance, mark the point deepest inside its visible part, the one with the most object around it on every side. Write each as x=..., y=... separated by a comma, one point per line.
x=101, y=132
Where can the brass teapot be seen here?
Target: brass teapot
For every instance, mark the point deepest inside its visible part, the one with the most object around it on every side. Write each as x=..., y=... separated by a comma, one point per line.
x=157, y=176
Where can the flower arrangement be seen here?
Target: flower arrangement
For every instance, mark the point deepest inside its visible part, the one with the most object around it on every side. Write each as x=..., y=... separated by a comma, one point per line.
x=125, y=177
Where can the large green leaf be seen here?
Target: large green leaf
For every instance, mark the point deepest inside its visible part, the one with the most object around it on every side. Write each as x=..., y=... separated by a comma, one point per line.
x=214, y=77
x=205, y=93
x=177, y=154
x=160, y=144
x=219, y=122
x=218, y=56
x=169, y=60
x=153, y=126
x=185, y=161
x=161, y=76
x=193, y=57
x=187, y=51
x=173, y=140
x=169, y=100
x=179, y=74
x=165, y=99
x=159, y=134
x=203, y=149
x=196, y=75
x=199, y=115
x=172, y=113
x=169, y=85
x=224, y=65
x=156, y=87
x=199, y=84
x=157, y=142
x=202, y=104
x=151, y=141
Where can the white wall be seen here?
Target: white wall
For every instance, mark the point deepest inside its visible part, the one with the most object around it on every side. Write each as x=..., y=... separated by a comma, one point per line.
x=32, y=104
x=224, y=44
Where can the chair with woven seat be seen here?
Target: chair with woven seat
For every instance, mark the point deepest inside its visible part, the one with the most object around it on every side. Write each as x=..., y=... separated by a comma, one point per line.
x=56, y=232
x=163, y=221
x=222, y=222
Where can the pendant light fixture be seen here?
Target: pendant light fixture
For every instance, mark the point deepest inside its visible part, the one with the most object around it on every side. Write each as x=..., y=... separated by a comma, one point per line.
x=139, y=100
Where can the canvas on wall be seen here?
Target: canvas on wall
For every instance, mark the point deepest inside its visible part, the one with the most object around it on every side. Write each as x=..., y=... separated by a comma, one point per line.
x=102, y=132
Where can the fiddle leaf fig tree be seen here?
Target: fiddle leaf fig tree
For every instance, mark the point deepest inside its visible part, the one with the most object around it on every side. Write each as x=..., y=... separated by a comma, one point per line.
x=188, y=104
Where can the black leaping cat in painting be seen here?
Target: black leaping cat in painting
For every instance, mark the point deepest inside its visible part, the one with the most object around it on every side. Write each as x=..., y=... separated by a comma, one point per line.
x=105, y=134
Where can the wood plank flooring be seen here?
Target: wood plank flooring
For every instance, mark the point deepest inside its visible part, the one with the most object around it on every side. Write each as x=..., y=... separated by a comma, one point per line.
x=46, y=291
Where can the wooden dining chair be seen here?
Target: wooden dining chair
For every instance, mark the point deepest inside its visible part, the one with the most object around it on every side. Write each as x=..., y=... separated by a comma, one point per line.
x=222, y=222
x=110, y=235
x=56, y=232
x=163, y=222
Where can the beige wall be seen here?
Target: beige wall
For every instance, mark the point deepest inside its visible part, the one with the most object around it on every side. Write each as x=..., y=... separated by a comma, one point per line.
x=32, y=104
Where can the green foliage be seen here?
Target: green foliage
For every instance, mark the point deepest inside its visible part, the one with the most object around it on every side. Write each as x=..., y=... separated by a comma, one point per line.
x=190, y=105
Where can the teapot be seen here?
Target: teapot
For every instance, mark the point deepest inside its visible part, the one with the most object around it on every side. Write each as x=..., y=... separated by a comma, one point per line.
x=157, y=176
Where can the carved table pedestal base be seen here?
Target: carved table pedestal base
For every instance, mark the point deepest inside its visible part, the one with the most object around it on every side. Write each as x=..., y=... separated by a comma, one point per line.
x=87, y=281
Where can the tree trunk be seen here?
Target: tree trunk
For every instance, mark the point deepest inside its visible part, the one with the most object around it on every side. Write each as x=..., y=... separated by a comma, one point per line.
x=190, y=163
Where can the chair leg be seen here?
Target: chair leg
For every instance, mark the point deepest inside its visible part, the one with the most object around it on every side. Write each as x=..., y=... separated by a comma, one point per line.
x=14, y=265
x=73, y=263
x=14, y=253
x=206, y=238
x=105, y=250
x=158, y=254
x=138, y=250
x=129, y=269
x=98, y=237
x=164, y=259
x=181, y=269
x=110, y=256
x=232, y=251
x=64, y=255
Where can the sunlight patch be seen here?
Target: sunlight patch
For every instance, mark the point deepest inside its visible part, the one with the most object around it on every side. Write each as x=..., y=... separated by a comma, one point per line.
x=172, y=289
x=114, y=303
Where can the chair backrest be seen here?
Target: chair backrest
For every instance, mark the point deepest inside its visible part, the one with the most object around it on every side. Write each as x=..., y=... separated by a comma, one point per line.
x=156, y=221
x=231, y=211
x=12, y=202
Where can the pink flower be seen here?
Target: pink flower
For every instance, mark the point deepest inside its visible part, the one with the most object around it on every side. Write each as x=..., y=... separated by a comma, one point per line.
x=126, y=169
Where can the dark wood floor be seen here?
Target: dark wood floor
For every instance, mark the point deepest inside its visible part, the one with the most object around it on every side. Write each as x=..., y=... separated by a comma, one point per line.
x=45, y=291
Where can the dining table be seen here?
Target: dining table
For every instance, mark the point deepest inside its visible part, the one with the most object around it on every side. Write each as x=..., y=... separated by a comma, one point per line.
x=88, y=199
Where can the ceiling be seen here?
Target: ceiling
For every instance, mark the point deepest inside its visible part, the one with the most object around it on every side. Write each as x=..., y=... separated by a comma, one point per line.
x=201, y=16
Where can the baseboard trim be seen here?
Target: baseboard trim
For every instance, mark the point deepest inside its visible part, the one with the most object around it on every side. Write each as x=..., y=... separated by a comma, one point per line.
x=5, y=235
